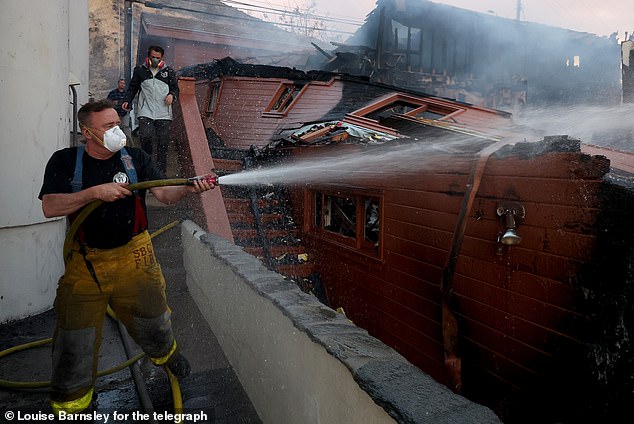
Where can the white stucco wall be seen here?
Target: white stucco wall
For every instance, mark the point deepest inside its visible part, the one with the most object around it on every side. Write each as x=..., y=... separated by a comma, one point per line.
x=41, y=42
x=78, y=46
x=298, y=360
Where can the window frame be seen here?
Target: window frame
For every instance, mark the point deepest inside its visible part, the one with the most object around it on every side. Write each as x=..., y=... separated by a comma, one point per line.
x=297, y=90
x=358, y=244
x=448, y=110
x=213, y=97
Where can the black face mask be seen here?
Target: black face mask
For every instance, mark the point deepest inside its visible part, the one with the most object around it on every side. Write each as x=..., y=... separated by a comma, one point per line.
x=155, y=62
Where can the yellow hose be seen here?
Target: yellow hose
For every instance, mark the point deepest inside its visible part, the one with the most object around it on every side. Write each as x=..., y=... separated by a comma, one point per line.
x=165, y=228
x=177, y=398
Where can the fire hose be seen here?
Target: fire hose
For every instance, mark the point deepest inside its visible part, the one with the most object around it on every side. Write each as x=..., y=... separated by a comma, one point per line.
x=88, y=209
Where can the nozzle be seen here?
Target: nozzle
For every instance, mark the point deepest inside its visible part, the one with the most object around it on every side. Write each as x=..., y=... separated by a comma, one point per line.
x=209, y=178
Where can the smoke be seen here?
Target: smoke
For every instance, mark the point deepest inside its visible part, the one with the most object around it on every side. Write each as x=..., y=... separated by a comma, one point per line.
x=487, y=54
x=603, y=126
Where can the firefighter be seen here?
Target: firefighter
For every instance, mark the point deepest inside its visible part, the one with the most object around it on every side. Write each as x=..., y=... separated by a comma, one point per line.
x=112, y=261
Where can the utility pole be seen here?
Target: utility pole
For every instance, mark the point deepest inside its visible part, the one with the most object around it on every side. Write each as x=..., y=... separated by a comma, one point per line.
x=518, y=10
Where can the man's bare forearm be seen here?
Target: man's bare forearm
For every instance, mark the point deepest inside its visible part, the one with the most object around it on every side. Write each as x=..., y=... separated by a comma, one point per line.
x=62, y=204
x=171, y=194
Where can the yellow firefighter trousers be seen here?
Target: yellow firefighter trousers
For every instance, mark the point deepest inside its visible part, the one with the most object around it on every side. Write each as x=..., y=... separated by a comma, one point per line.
x=131, y=281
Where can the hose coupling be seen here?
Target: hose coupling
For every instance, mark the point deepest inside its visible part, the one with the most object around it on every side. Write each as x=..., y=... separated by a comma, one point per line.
x=211, y=179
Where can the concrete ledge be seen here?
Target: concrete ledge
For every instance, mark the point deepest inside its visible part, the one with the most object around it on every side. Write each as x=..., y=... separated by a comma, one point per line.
x=300, y=361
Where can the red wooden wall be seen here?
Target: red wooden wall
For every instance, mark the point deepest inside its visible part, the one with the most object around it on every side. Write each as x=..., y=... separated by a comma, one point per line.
x=240, y=121
x=515, y=305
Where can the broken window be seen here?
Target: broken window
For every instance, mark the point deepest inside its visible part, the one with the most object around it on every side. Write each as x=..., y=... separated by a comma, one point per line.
x=352, y=219
x=397, y=107
x=407, y=42
x=213, y=98
x=371, y=222
x=430, y=114
x=436, y=111
x=284, y=97
x=575, y=62
x=425, y=108
x=340, y=215
x=400, y=35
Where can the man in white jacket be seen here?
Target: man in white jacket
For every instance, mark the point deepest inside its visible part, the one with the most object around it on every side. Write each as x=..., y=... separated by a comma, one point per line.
x=156, y=84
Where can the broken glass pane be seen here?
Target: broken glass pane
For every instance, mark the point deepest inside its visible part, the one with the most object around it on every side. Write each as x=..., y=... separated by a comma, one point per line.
x=371, y=225
x=340, y=215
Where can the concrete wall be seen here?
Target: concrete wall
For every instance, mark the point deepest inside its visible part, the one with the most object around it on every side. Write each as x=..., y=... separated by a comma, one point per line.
x=300, y=361
x=41, y=43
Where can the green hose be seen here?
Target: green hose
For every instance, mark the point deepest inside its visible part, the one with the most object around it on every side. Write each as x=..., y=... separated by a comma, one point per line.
x=38, y=384
x=88, y=209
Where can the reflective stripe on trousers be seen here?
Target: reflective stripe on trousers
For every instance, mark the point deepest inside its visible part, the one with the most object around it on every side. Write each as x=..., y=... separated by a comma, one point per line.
x=132, y=283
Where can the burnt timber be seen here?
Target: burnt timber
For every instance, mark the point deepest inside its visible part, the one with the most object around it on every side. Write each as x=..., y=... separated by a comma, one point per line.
x=480, y=58
x=543, y=322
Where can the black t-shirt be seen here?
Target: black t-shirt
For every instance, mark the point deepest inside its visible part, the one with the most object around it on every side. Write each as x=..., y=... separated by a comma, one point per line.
x=112, y=223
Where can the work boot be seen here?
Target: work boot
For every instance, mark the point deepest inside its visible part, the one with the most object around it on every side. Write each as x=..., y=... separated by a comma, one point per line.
x=179, y=365
x=84, y=416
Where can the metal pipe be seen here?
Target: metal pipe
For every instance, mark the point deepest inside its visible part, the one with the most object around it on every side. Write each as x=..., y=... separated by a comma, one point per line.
x=127, y=42
x=131, y=59
x=74, y=137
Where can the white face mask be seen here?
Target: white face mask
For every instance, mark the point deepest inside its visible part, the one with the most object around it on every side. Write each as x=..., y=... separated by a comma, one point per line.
x=114, y=139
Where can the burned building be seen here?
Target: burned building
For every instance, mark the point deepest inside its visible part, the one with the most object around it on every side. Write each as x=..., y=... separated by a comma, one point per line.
x=479, y=58
x=483, y=253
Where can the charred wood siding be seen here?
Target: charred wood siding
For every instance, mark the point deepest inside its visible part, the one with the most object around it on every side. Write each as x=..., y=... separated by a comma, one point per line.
x=397, y=300
x=521, y=327
x=519, y=307
x=240, y=120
